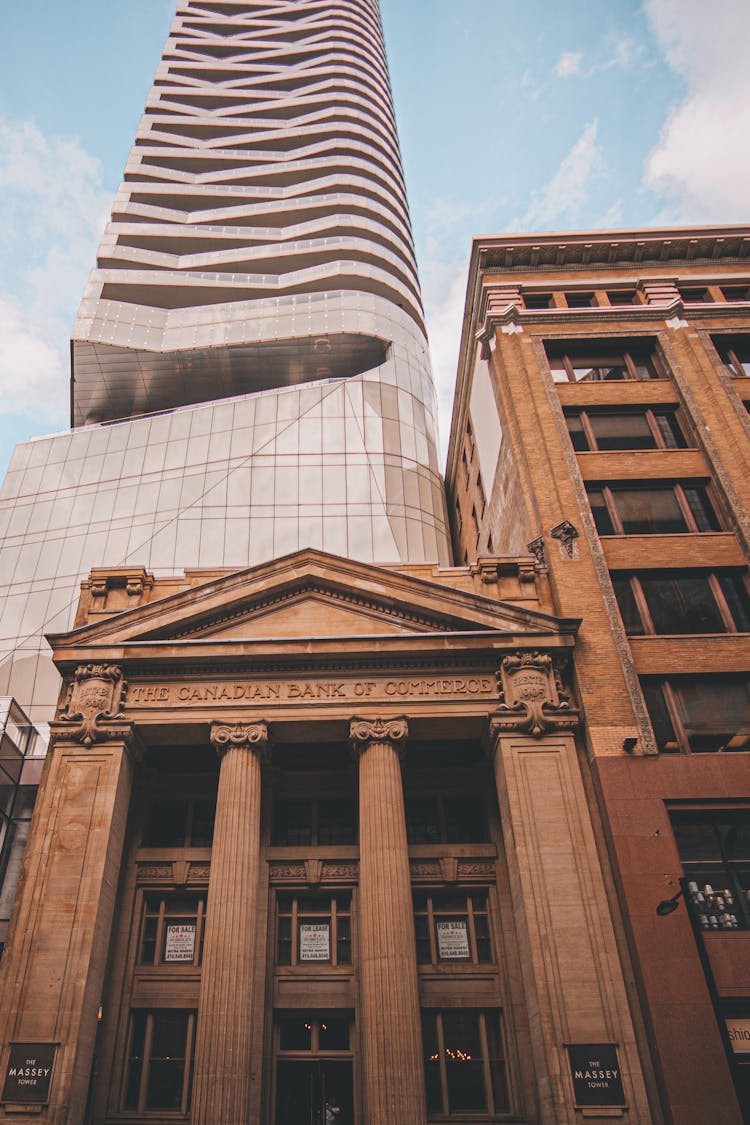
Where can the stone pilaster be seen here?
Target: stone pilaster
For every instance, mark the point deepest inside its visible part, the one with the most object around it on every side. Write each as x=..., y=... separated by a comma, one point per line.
x=390, y=1031
x=54, y=966
x=573, y=979
x=221, y=1084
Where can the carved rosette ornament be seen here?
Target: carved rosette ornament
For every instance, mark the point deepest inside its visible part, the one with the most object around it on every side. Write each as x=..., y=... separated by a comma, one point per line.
x=531, y=697
x=247, y=736
x=94, y=695
x=363, y=732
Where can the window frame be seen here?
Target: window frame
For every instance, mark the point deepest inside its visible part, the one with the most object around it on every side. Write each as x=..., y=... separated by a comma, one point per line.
x=433, y=913
x=580, y=352
x=162, y=916
x=609, y=489
x=190, y=801
x=334, y=917
x=651, y=415
x=728, y=348
x=442, y=818
x=437, y=1035
x=669, y=690
x=147, y=1060
x=644, y=611
x=314, y=800
x=700, y=910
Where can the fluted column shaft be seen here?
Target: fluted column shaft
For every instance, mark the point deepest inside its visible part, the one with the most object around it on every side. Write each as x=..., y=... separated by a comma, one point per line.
x=221, y=1084
x=391, y=1029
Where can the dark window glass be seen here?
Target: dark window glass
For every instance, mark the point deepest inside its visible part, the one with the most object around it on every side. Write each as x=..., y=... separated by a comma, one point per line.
x=452, y=928
x=333, y=1034
x=622, y=296
x=579, y=300
x=600, y=512
x=703, y=513
x=422, y=821
x=735, y=592
x=293, y=823
x=664, y=733
x=498, y=1077
x=172, y=929
x=432, y=1061
x=601, y=361
x=313, y=930
x=735, y=353
x=577, y=433
x=167, y=825
x=295, y=1033
x=694, y=294
x=537, y=300
x=631, y=618
x=202, y=832
x=463, y=1063
x=670, y=431
x=736, y=292
x=465, y=821
x=714, y=849
x=649, y=511
x=336, y=822
x=135, y=1061
x=682, y=604
x=622, y=431
x=156, y=1076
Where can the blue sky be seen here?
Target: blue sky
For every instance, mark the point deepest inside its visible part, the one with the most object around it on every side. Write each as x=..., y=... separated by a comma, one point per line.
x=533, y=116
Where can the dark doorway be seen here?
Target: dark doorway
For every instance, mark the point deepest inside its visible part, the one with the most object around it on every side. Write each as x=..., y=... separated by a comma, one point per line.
x=303, y=1087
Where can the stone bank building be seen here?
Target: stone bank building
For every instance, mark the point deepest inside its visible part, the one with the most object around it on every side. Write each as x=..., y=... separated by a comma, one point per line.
x=357, y=800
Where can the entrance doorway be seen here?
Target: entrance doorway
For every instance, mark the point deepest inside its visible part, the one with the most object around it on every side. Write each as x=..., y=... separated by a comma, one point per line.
x=313, y=1067
x=303, y=1088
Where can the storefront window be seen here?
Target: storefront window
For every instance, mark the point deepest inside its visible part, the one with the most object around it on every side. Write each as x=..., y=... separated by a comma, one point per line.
x=159, y=1061
x=452, y=928
x=464, y=1064
x=314, y=929
x=714, y=849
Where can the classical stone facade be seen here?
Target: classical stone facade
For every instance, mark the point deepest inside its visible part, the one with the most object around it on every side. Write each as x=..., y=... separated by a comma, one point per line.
x=317, y=832
x=601, y=422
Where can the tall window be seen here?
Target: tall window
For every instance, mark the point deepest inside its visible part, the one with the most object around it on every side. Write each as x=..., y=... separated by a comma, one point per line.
x=735, y=354
x=445, y=819
x=464, y=1063
x=185, y=823
x=699, y=715
x=452, y=927
x=682, y=602
x=313, y=929
x=299, y=822
x=612, y=430
x=651, y=509
x=714, y=849
x=159, y=1070
x=576, y=361
x=172, y=929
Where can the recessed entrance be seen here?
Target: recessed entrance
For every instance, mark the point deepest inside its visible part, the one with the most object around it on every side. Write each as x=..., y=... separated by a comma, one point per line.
x=313, y=1068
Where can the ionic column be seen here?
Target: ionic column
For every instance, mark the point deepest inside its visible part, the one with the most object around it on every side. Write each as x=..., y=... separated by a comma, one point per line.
x=221, y=1084
x=391, y=1033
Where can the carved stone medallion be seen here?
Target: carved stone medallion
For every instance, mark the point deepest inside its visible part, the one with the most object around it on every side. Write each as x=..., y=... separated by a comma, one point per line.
x=531, y=699
x=95, y=694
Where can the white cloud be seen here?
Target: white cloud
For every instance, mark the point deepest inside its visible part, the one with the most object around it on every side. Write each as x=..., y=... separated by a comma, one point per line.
x=561, y=198
x=701, y=162
x=54, y=210
x=444, y=290
x=32, y=379
x=568, y=64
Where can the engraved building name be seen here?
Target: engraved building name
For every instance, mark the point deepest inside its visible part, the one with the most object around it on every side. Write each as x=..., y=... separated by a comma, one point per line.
x=270, y=691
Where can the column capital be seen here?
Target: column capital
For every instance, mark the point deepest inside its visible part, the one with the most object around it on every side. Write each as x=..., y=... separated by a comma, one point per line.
x=363, y=732
x=243, y=736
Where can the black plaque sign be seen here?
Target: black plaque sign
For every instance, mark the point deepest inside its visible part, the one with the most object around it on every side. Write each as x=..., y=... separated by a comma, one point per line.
x=595, y=1070
x=29, y=1073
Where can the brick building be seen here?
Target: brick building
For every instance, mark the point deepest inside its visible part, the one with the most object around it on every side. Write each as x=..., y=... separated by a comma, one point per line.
x=601, y=422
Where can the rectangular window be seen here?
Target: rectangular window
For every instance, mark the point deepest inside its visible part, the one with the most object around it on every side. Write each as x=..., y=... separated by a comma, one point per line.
x=714, y=849
x=601, y=431
x=452, y=928
x=573, y=361
x=159, y=1070
x=537, y=300
x=736, y=292
x=172, y=929
x=186, y=823
x=579, y=300
x=464, y=1063
x=622, y=296
x=682, y=602
x=699, y=715
x=442, y=819
x=301, y=822
x=735, y=354
x=313, y=929
x=651, y=509
x=694, y=294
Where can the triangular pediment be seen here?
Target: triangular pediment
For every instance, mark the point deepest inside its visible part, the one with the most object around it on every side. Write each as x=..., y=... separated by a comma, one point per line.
x=312, y=595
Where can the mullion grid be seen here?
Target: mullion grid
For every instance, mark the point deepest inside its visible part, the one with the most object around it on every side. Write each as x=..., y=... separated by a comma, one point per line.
x=644, y=611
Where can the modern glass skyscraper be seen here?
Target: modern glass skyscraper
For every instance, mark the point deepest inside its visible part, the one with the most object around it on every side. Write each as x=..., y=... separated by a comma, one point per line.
x=250, y=371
